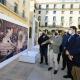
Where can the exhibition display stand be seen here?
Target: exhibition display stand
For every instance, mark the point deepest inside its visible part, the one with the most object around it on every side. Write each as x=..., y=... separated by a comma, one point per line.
x=30, y=56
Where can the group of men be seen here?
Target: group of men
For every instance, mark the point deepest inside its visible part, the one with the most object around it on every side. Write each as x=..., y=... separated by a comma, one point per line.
x=68, y=45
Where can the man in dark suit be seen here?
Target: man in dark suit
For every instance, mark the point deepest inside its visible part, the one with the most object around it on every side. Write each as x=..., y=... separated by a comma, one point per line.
x=73, y=53
x=43, y=47
x=64, y=42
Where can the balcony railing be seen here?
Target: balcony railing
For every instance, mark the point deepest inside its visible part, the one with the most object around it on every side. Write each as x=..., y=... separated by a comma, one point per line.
x=12, y=8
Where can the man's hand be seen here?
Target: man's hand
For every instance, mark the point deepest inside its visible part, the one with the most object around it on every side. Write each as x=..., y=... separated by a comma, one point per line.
x=70, y=57
x=42, y=44
x=67, y=52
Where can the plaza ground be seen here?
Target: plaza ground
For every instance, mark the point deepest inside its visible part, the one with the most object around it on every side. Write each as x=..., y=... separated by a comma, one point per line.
x=25, y=71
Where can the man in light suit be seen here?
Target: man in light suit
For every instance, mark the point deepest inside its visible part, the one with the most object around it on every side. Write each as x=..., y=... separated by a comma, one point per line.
x=57, y=40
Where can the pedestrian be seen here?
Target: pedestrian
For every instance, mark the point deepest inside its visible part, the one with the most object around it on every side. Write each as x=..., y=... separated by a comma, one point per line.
x=64, y=43
x=57, y=40
x=43, y=47
x=73, y=53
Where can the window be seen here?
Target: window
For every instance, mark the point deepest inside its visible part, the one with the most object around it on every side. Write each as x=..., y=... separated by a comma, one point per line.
x=70, y=18
x=54, y=5
x=62, y=12
x=54, y=19
x=47, y=6
x=71, y=6
x=39, y=6
x=34, y=11
x=23, y=14
x=54, y=24
x=62, y=20
x=39, y=23
x=16, y=7
x=3, y=1
x=79, y=6
x=23, y=1
x=39, y=12
x=35, y=6
x=39, y=18
x=78, y=20
x=70, y=21
x=46, y=12
x=45, y=24
x=46, y=18
x=63, y=6
x=71, y=12
x=54, y=12
x=30, y=32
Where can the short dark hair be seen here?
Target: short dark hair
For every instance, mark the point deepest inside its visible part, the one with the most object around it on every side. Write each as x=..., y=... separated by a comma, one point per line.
x=74, y=28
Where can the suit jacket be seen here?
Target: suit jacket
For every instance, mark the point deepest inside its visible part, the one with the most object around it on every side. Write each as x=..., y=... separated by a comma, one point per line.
x=42, y=39
x=73, y=46
x=56, y=43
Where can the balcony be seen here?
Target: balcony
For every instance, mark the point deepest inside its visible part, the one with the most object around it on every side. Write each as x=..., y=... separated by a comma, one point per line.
x=12, y=8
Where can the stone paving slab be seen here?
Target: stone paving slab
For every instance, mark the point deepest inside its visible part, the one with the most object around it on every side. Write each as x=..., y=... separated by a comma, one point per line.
x=25, y=71
x=16, y=71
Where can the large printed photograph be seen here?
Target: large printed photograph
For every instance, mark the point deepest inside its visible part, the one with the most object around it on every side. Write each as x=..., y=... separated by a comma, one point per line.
x=13, y=39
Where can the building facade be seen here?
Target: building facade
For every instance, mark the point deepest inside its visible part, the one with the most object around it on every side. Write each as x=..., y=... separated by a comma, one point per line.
x=13, y=9
x=61, y=14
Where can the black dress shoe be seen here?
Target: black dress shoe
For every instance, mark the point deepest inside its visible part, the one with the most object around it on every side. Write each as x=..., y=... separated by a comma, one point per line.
x=62, y=68
x=46, y=63
x=41, y=62
x=67, y=76
x=50, y=68
x=55, y=71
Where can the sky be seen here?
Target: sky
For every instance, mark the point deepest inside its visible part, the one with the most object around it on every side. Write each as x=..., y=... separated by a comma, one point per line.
x=43, y=1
